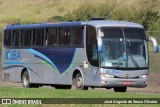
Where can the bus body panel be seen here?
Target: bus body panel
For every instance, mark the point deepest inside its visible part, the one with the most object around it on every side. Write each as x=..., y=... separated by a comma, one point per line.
x=42, y=67
x=43, y=73
x=130, y=76
x=56, y=65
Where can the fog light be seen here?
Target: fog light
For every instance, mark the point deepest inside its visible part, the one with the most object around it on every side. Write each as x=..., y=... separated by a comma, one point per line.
x=107, y=76
x=143, y=76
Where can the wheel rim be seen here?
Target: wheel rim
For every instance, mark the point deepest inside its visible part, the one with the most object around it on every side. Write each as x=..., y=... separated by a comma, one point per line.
x=79, y=82
x=25, y=80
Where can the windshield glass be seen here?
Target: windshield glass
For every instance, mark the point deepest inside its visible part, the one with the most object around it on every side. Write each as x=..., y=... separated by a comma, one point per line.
x=123, y=47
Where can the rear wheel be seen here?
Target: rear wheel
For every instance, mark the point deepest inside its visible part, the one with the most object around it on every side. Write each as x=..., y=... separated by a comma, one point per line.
x=120, y=89
x=79, y=83
x=25, y=80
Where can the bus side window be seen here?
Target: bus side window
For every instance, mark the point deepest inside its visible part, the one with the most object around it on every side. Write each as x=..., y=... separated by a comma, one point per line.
x=76, y=39
x=16, y=38
x=52, y=37
x=7, y=37
x=38, y=35
x=64, y=36
x=26, y=38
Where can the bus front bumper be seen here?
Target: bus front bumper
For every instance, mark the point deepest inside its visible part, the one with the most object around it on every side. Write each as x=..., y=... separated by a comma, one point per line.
x=116, y=82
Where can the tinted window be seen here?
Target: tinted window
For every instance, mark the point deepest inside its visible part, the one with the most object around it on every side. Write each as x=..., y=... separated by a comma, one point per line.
x=91, y=46
x=64, y=36
x=134, y=33
x=38, y=35
x=7, y=38
x=52, y=37
x=111, y=33
x=16, y=38
x=26, y=37
x=77, y=36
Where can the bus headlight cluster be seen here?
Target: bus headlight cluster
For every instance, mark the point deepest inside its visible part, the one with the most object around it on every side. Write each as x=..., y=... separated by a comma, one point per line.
x=107, y=76
x=143, y=76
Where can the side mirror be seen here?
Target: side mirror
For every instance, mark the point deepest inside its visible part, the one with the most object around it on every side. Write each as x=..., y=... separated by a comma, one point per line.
x=155, y=44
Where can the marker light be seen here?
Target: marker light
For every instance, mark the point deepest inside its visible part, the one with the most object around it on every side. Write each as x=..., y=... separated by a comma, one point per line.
x=85, y=64
x=121, y=24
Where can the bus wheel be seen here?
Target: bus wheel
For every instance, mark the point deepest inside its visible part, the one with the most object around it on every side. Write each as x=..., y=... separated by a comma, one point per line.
x=120, y=89
x=79, y=83
x=25, y=80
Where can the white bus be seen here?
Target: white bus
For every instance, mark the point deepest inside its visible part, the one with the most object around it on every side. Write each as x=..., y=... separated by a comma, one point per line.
x=95, y=53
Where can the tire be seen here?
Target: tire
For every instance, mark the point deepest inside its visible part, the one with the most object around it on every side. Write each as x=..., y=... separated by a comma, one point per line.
x=120, y=89
x=26, y=80
x=79, y=83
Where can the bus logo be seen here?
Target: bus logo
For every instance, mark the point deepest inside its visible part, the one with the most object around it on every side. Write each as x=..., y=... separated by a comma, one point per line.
x=126, y=75
x=12, y=55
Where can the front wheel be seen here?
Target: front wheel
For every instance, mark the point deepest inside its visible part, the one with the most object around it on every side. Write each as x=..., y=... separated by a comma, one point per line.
x=120, y=89
x=79, y=83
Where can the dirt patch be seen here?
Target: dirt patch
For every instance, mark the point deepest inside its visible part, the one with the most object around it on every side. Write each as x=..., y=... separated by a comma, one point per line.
x=153, y=85
x=6, y=83
x=154, y=80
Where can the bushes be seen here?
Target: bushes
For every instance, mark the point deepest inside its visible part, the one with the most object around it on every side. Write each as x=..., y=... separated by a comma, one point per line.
x=84, y=12
x=147, y=17
x=144, y=15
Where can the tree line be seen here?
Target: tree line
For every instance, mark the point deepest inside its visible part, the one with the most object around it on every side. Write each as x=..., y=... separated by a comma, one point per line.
x=145, y=15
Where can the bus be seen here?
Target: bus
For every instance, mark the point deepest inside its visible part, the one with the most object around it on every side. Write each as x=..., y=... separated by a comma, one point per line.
x=95, y=53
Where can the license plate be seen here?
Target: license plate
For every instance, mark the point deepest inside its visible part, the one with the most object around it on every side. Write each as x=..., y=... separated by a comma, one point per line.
x=126, y=83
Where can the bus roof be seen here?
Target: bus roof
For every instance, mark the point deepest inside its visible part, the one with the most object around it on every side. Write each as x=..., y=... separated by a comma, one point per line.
x=113, y=23
x=96, y=23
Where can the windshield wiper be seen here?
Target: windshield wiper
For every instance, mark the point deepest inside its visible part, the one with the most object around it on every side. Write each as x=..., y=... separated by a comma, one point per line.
x=133, y=60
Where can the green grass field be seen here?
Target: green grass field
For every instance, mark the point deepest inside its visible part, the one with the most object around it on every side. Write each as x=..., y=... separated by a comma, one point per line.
x=33, y=11
x=13, y=92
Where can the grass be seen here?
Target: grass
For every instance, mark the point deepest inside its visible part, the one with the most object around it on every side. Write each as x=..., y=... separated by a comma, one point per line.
x=33, y=11
x=154, y=62
x=154, y=58
x=13, y=92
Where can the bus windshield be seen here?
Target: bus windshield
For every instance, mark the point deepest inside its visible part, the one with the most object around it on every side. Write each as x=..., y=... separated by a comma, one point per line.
x=123, y=48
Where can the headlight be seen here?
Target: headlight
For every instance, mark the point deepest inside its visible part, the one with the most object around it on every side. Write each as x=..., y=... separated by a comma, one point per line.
x=107, y=76
x=143, y=76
